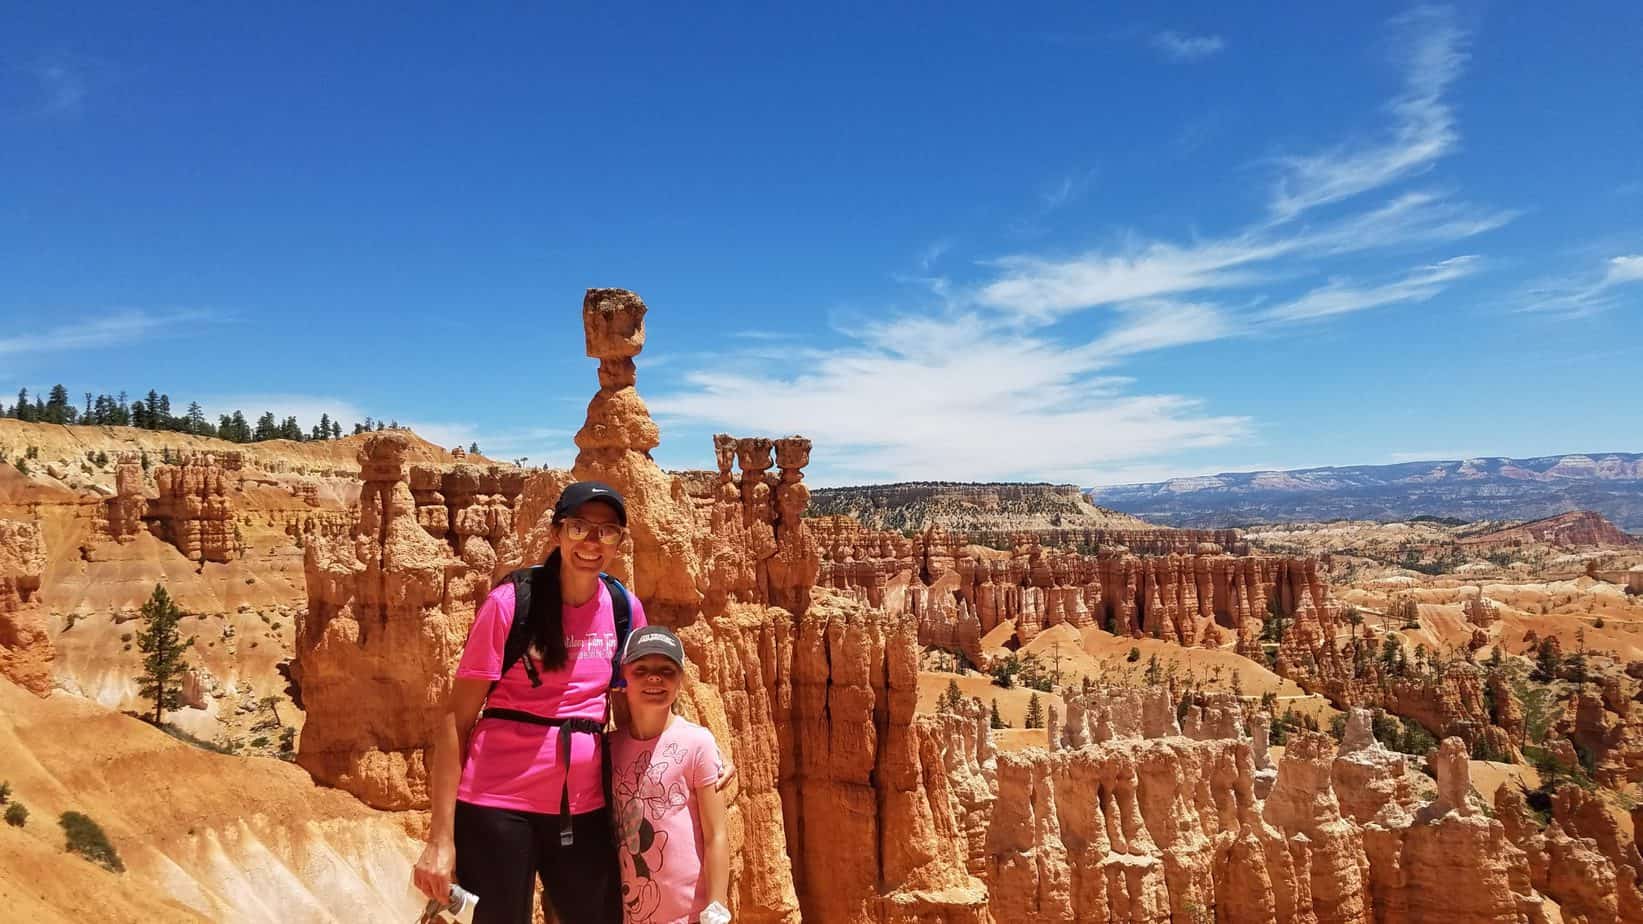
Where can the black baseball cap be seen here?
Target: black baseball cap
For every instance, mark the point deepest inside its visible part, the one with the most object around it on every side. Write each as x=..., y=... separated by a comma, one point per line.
x=653, y=640
x=581, y=492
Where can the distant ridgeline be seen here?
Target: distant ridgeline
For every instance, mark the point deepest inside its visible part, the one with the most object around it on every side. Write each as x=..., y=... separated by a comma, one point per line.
x=994, y=513
x=962, y=506
x=1471, y=489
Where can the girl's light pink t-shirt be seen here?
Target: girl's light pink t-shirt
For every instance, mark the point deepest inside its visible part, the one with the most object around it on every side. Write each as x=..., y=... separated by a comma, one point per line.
x=659, y=823
x=515, y=765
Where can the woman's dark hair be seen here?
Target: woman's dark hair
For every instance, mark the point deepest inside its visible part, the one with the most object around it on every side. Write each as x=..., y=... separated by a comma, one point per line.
x=548, y=624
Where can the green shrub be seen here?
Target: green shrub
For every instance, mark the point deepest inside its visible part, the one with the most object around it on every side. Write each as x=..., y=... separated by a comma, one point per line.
x=1133, y=656
x=86, y=838
x=5, y=791
x=261, y=741
x=17, y=815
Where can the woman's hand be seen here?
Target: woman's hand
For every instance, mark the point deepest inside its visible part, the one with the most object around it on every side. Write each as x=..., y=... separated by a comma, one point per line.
x=434, y=869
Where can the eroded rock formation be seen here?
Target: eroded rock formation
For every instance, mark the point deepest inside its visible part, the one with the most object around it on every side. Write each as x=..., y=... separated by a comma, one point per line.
x=123, y=513
x=25, y=644
x=615, y=444
x=471, y=508
x=388, y=610
x=193, y=511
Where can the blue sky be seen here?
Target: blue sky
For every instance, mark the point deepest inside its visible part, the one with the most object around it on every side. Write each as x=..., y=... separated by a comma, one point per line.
x=1073, y=243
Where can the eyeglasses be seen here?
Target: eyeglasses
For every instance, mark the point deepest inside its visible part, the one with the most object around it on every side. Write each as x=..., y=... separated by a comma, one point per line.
x=577, y=530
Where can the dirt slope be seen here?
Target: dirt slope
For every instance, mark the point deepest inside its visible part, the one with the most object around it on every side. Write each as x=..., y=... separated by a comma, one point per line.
x=203, y=836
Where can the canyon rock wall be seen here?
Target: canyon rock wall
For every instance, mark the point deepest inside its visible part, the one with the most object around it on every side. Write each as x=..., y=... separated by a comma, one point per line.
x=1195, y=599
x=25, y=645
x=192, y=511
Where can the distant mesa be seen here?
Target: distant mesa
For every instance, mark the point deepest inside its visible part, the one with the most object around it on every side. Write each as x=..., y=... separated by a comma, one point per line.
x=1494, y=488
x=919, y=505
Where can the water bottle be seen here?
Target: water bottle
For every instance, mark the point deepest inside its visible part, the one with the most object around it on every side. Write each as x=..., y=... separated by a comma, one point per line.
x=462, y=905
x=459, y=905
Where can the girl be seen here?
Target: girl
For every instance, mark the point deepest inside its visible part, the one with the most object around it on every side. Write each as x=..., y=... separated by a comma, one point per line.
x=505, y=809
x=669, y=811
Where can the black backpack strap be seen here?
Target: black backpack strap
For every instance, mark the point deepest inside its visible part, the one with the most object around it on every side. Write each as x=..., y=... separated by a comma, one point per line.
x=518, y=643
x=622, y=615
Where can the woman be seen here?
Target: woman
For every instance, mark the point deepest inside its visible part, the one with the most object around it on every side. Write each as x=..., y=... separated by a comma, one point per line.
x=504, y=809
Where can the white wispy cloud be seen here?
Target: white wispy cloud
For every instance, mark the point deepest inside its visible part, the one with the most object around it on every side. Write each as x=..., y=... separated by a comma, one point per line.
x=119, y=328
x=1178, y=46
x=1158, y=324
x=1041, y=289
x=933, y=252
x=1422, y=130
x=1341, y=296
x=1066, y=189
x=913, y=398
x=1589, y=294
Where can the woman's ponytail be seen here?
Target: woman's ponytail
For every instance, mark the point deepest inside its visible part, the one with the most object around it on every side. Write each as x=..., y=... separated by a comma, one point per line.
x=548, y=628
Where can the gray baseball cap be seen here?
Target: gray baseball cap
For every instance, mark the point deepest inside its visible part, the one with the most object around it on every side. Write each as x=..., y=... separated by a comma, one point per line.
x=653, y=640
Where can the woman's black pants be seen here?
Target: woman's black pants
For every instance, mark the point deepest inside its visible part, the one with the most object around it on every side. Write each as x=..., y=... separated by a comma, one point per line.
x=499, y=852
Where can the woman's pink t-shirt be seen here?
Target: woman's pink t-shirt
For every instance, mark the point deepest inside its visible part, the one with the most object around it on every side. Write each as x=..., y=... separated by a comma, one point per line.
x=659, y=822
x=515, y=765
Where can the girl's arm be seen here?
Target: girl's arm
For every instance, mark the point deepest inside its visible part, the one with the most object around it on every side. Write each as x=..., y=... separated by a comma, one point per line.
x=717, y=862
x=446, y=755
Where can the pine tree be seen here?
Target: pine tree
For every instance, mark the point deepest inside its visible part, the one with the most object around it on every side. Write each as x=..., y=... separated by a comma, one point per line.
x=473, y=448
x=162, y=650
x=267, y=428
x=164, y=415
x=23, y=411
x=994, y=720
x=139, y=415
x=324, y=430
x=87, y=417
x=196, y=418
x=952, y=699
x=336, y=429
x=1035, y=712
x=58, y=409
